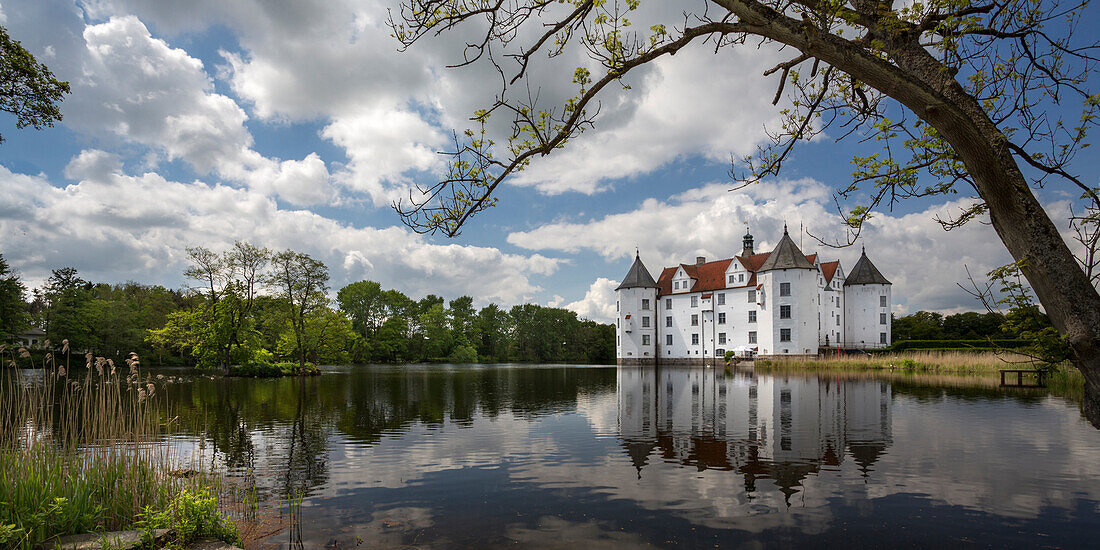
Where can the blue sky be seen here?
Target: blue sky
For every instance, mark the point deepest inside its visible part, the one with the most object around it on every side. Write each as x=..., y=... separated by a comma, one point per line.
x=293, y=125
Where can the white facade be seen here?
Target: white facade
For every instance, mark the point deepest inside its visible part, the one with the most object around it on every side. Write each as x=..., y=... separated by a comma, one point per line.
x=773, y=304
x=637, y=331
x=867, y=311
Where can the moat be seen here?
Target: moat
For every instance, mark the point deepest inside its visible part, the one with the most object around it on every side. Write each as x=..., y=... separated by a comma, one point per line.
x=583, y=457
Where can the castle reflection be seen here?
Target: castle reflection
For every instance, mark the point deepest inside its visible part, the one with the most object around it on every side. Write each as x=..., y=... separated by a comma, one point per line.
x=775, y=428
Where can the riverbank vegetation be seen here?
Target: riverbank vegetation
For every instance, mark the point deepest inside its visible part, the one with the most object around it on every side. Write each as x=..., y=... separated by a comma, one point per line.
x=85, y=454
x=1062, y=378
x=250, y=309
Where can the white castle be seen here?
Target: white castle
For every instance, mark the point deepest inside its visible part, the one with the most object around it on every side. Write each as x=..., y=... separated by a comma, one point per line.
x=779, y=303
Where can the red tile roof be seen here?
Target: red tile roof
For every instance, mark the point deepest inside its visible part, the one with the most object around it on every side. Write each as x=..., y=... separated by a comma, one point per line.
x=712, y=275
x=828, y=269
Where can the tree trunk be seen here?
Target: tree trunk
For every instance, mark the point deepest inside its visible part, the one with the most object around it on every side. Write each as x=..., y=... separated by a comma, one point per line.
x=923, y=85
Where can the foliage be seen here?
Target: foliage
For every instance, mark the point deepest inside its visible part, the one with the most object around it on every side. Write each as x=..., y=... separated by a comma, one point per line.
x=259, y=368
x=302, y=282
x=28, y=89
x=189, y=517
x=13, y=312
x=77, y=453
x=464, y=353
x=326, y=338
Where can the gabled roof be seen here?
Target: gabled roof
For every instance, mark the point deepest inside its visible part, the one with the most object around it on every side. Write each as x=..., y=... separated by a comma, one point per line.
x=638, y=276
x=865, y=273
x=828, y=269
x=786, y=256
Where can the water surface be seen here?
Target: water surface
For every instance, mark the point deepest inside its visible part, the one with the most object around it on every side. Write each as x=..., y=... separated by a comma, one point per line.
x=590, y=457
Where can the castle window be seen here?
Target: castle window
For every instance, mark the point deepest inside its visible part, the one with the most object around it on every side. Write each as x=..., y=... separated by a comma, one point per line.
x=695, y=320
x=645, y=304
x=882, y=318
x=882, y=301
x=668, y=321
x=722, y=318
x=694, y=301
x=784, y=312
x=784, y=289
x=752, y=296
x=645, y=322
x=752, y=316
x=645, y=339
x=721, y=338
x=722, y=299
x=882, y=337
x=784, y=335
x=668, y=303
x=668, y=339
x=752, y=337
x=695, y=339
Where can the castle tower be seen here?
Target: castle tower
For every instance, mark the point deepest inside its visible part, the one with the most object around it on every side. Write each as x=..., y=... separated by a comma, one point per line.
x=636, y=322
x=866, y=306
x=789, y=314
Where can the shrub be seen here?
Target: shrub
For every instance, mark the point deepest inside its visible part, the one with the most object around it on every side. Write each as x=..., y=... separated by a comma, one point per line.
x=463, y=354
x=191, y=515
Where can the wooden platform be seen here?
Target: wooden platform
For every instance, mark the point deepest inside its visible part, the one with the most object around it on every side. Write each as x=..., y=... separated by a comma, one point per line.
x=1020, y=378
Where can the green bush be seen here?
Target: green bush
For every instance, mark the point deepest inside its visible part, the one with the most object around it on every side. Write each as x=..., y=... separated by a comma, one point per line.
x=190, y=516
x=463, y=354
x=263, y=369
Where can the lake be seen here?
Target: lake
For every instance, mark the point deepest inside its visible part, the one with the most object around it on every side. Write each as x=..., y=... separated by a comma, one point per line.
x=591, y=457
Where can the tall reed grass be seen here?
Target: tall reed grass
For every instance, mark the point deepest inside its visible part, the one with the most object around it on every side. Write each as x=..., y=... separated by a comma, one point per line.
x=926, y=361
x=86, y=453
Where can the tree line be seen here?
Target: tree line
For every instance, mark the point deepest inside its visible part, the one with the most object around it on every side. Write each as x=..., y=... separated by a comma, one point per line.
x=250, y=303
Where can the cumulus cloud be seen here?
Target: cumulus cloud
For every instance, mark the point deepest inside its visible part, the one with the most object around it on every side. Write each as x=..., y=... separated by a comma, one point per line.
x=598, y=303
x=925, y=263
x=112, y=226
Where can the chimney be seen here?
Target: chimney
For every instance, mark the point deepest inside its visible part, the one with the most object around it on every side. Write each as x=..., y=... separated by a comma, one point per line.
x=700, y=260
x=746, y=244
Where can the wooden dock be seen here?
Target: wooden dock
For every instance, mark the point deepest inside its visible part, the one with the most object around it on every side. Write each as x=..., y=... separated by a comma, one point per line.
x=1020, y=378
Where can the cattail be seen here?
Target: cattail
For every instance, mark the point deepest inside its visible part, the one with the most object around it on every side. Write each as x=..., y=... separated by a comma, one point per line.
x=11, y=363
x=24, y=353
x=48, y=356
x=141, y=395
x=3, y=348
x=61, y=370
x=46, y=344
x=65, y=346
x=151, y=389
x=160, y=377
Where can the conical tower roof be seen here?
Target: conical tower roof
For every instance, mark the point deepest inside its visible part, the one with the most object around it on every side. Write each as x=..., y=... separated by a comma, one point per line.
x=786, y=256
x=638, y=276
x=865, y=273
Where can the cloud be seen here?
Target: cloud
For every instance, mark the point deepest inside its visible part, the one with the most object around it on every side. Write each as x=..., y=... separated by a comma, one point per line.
x=112, y=226
x=925, y=264
x=598, y=303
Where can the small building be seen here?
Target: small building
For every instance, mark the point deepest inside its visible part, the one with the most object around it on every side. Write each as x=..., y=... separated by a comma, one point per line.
x=778, y=303
x=31, y=338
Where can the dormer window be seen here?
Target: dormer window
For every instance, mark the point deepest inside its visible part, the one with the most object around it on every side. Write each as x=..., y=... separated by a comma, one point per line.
x=731, y=278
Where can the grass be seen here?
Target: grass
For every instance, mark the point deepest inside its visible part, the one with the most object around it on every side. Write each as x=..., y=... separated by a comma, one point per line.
x=86, y=454
x=1064, y=379
x=947, y=362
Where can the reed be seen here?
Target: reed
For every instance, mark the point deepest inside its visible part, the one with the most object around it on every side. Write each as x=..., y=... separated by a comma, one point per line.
x=947, y=362
x=86, y=453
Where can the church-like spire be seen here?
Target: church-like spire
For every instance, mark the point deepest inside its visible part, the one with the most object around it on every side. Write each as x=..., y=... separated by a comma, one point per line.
x=865, y=272
x=786, y=255
x=638, y=276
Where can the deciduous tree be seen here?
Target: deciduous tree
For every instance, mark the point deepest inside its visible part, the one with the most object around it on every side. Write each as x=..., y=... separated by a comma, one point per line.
x=984, y=97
